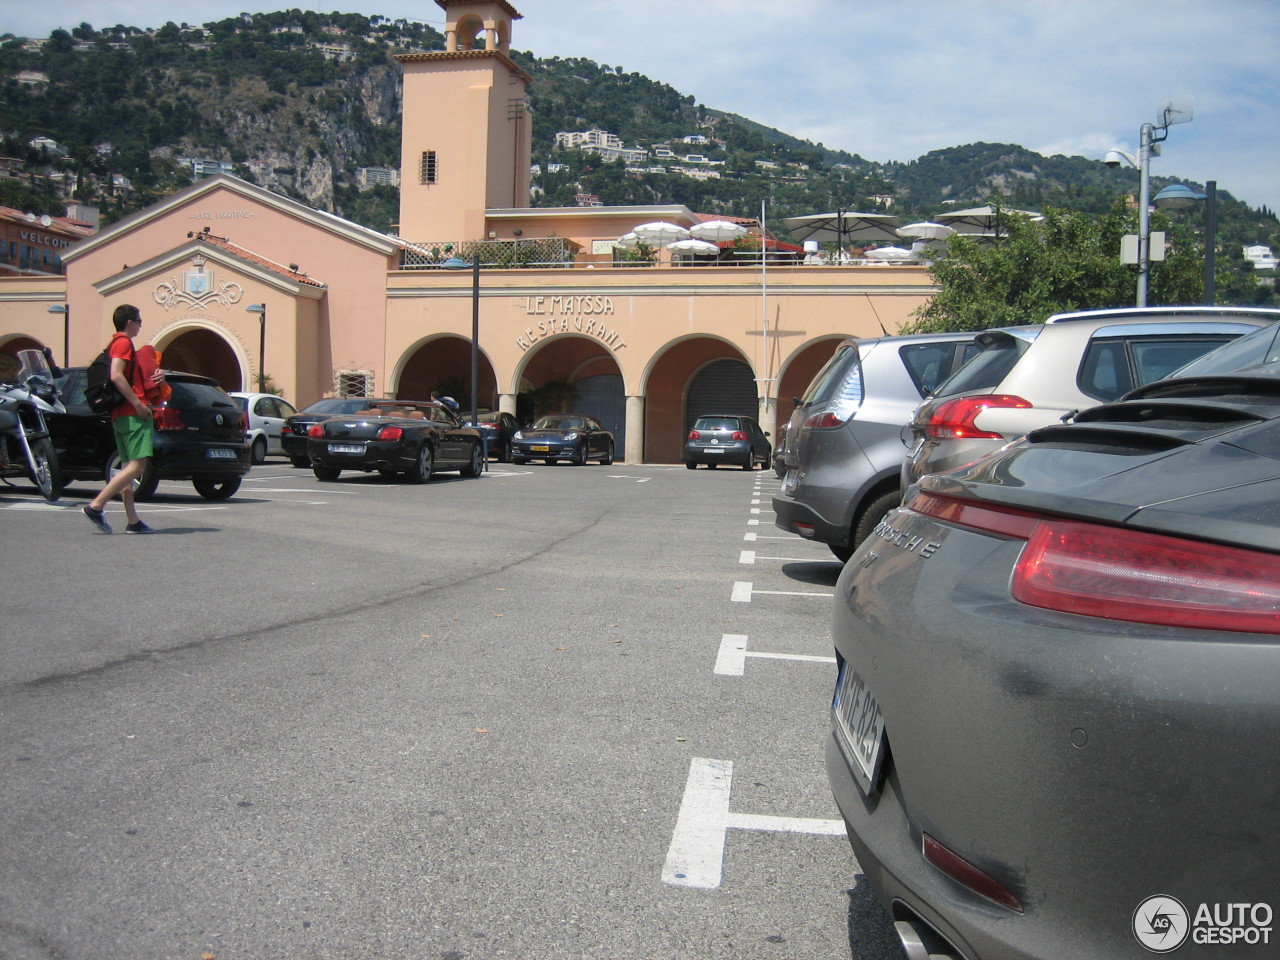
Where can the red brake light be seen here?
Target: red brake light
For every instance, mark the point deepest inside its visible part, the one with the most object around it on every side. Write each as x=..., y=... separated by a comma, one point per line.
x=954, y=418
x=828, y=419
x=167, y=418
x=738, y=435
x=390, y=433
x=315, y=430
x=693, y=435
x=1143, y=577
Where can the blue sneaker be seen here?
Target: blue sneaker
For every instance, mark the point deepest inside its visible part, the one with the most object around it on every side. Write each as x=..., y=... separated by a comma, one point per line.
x=97, y=519
x=138, y=527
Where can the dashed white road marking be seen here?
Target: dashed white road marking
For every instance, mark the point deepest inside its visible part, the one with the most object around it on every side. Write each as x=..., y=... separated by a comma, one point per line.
x=743, y=591
x=696, y=855
x=731, y=660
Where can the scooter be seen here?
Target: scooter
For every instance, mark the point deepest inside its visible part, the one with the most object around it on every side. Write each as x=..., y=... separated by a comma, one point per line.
x=25, y=447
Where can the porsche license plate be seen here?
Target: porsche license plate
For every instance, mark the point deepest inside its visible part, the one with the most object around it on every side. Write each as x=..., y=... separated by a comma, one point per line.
x=346, y=448
x=540, y=449
x=220, y=453
x=861, y=725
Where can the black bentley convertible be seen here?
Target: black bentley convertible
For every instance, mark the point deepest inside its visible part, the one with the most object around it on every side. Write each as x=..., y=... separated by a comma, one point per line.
x=413, y=438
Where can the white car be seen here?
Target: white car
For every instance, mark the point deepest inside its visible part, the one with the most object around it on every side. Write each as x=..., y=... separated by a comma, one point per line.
x=267, y=413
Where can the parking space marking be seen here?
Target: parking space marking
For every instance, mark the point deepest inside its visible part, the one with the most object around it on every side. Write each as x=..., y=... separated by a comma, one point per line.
x=743, y=591
x=751, y=536
x=731, y=660
x=696, y=855
x=750, y=556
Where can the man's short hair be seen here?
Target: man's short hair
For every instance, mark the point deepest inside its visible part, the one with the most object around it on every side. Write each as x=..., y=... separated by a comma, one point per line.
x=124, y=313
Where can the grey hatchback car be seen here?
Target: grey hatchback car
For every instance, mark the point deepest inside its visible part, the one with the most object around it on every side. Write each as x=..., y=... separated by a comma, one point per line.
x=845, y=439
x=729, y=439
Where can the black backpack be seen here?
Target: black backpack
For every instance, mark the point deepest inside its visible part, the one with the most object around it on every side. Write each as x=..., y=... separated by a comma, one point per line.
x=100, y=393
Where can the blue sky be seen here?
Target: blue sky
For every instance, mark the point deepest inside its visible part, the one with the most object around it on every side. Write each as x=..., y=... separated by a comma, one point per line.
x=893, y=80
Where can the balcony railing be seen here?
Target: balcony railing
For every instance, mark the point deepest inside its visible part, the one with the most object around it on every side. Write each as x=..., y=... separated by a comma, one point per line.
x=539, y=252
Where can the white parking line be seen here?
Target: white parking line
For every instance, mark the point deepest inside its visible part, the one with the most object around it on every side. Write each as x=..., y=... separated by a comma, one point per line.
x=750, y=556
x=731, y=660
x=743, y=591
x=696, y=855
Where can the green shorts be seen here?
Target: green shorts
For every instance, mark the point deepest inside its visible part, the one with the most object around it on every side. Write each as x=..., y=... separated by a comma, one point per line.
x=133, y=438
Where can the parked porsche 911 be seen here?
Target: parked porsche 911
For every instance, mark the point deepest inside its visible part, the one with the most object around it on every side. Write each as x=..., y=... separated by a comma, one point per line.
x=410, y=438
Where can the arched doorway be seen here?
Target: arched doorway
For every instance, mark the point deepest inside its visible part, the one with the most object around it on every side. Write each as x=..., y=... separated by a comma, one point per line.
x=206, y=353
x=9, y=364
x=444, y=364
x=690, y=378
x=574, y=374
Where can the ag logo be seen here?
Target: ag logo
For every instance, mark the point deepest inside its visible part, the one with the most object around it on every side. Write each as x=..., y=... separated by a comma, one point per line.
x=1161, y=924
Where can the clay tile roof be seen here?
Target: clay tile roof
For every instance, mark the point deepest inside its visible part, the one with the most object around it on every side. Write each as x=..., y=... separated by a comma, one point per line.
x=261, y=261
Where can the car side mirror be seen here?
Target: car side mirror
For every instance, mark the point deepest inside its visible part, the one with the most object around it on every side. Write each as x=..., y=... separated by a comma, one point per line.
x=768, y=434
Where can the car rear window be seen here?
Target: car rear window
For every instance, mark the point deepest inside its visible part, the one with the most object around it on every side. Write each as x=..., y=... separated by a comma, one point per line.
x=717, y=423
x=187, y=396
x=1111, y=368
x=824, y=384
x=929, y=364
x=997, y=353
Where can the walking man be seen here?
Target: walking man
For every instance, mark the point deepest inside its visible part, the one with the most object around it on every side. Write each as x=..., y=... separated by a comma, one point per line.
x=130, y=421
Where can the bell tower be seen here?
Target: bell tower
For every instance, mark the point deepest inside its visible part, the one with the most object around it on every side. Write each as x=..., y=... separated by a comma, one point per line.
x=466, y=139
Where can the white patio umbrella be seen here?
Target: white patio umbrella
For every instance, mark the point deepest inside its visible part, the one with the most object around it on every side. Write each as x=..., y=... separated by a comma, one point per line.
x=843, y=226
x=693, y=245
x=889, y=253
x=627, y=241
x=979, y=220
x=926, y=231
x=659, y=231
x=717, y=230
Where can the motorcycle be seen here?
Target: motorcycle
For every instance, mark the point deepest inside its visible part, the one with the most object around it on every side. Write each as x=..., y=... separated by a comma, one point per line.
x=25, y=447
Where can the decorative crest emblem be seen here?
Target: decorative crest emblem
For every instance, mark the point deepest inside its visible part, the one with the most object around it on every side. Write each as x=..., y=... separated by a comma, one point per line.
x=197, y=288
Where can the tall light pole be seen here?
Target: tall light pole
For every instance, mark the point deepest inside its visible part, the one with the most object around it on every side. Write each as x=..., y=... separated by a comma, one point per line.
x=66, y=331
x=457, y=263
x=261, y=310
x=1150, y=136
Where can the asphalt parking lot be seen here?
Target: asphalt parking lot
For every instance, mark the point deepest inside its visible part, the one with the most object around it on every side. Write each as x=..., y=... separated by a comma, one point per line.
x=550, y=712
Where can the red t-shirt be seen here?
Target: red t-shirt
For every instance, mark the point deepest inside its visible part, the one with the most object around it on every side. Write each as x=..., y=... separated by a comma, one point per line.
x=122, y=347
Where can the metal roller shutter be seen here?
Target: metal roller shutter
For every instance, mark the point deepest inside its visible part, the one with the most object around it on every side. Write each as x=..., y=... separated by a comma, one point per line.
x=725, y=386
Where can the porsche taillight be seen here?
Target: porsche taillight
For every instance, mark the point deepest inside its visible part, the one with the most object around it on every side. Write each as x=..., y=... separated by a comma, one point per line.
x=1115, y=573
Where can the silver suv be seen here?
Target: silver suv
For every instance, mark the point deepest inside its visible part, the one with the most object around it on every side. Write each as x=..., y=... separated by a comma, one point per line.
x=1029, y=377
x=845, y=440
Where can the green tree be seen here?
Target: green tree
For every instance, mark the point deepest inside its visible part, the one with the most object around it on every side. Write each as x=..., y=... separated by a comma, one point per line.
x=1038, y=267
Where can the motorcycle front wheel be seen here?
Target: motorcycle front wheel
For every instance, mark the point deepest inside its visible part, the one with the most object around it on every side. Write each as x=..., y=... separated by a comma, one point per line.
x=48, y=472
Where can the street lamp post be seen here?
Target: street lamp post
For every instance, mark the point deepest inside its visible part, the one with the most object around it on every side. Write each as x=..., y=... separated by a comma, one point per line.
x=66, y=331
x=261, y=310
x=1149, y=138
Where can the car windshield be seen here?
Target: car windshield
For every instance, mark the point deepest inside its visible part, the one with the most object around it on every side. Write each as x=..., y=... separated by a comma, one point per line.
x=998, y=351
x=1252, y=350
x=338, y=405
x=559, y=423
x=718, y=423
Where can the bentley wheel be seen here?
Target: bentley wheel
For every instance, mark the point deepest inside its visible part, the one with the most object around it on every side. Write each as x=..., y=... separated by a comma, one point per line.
x=420, y=472
x=475, y=464
x=691, y=466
